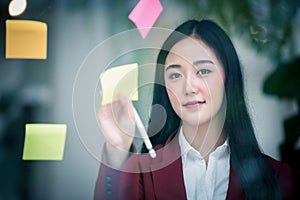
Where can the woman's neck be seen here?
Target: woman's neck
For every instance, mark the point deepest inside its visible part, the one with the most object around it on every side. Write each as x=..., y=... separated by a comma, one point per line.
x=206, y=137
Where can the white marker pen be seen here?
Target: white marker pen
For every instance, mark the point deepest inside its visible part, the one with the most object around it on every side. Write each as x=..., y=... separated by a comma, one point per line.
x=144, y=134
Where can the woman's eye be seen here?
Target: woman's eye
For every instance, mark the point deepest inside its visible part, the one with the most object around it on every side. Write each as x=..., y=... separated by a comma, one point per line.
x=203, y=71
x=174, y=75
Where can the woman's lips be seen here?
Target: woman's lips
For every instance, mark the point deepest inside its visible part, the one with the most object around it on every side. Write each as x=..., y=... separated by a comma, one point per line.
x=193, y=104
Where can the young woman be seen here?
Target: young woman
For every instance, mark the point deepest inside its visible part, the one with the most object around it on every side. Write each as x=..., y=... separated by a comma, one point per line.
x=207, y=148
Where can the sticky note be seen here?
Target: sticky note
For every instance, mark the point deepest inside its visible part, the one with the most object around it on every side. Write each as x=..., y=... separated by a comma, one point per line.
x=121, y=79
x=145, y=14
x=44, y=141
x=26, y=39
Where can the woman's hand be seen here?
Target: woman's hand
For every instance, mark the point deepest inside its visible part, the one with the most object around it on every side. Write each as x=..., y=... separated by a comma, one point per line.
x=118, y=127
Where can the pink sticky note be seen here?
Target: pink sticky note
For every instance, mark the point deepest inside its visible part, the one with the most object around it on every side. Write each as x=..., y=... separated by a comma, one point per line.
x=145, y=14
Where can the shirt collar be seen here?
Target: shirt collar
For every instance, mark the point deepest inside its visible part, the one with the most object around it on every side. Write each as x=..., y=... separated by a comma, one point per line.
x=185, y=147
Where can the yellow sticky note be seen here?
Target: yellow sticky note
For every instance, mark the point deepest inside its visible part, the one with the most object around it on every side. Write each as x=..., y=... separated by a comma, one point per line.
x=26, y=39
x=44, y=141
x=121, y=79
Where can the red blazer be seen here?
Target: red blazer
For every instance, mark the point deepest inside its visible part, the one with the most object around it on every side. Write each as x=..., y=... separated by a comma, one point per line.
x=162, y=177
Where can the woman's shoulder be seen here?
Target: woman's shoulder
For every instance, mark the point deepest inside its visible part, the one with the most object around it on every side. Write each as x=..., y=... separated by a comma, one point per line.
x=284, y=175
x=278, y=166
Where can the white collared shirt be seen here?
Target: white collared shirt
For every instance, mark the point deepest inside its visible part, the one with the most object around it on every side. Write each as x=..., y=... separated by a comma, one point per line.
x=201, y=182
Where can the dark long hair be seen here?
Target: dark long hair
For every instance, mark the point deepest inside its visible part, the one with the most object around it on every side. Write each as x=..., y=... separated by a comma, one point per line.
x=253, y=171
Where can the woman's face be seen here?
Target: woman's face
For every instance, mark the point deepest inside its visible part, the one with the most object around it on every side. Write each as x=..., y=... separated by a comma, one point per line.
x=194, y=79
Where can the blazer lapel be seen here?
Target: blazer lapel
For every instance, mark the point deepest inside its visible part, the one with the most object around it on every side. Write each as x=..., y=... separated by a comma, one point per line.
x=167, y=172
x=235, y=190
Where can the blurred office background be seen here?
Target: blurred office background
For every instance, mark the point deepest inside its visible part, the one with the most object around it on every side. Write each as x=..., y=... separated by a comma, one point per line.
x=266, y=35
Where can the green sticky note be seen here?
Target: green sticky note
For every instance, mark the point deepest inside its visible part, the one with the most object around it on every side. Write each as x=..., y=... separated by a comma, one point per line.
x=44, y=141
x=121, y=79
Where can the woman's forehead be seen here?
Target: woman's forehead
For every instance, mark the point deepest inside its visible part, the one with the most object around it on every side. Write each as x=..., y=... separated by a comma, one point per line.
x=191, y=49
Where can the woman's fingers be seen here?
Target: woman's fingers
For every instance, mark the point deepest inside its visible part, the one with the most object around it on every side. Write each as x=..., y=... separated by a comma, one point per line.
x=116, y=121
x=128, y=107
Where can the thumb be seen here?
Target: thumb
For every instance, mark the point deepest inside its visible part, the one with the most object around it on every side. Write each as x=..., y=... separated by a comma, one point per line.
x=127, y=105
x=101, y=96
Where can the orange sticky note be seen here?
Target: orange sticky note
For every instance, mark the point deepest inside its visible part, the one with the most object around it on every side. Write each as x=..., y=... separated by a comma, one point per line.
x=26, y=39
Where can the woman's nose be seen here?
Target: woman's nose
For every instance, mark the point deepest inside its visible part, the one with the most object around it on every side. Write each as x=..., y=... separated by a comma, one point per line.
x=192, y=84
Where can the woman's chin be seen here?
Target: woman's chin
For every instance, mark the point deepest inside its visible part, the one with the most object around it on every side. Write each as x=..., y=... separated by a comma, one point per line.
x=196, y=121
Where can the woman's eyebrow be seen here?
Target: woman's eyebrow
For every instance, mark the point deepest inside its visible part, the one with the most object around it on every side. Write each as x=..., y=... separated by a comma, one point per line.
x=199, y=62
x=173, y=66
